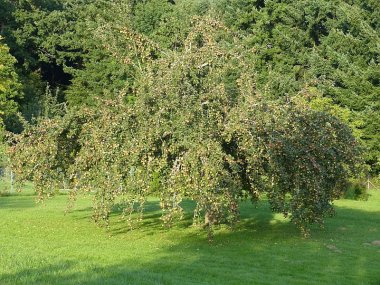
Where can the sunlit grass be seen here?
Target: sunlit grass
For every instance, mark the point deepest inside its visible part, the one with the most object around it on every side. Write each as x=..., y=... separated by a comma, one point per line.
x=39, y=244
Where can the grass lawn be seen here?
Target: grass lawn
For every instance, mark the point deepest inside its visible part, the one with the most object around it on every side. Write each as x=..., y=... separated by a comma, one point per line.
x=41, y=245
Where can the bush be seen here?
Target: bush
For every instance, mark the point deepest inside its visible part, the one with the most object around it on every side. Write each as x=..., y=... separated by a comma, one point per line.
x=356, y=191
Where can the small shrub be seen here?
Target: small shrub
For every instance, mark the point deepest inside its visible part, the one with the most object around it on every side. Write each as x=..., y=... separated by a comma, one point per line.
x=356, y=191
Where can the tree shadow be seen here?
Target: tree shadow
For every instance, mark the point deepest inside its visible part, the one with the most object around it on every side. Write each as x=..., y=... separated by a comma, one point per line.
x=17, y=202
x=151, y=220
x=262, y=249
x=256, y=222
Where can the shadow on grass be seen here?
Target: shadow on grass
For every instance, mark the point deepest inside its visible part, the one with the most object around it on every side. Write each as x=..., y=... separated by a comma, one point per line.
x=261, y=250
x=256, y=222
x=271, y=254
x=254, y=219
x=21, y=202
x=67, y=273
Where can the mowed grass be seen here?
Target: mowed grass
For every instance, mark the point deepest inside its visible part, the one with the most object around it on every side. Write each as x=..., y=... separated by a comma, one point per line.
x=39, y=244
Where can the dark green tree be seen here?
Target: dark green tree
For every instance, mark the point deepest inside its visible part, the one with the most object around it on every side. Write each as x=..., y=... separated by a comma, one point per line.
x=329, y=45
x=10, y=89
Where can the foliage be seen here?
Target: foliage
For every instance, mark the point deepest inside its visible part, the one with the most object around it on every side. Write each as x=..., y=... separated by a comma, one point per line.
x=67, y=41
x=59, y=39
x=328, y=45
x=357, y=191
x=3, y=148
x=10, y=89
x=188, y=133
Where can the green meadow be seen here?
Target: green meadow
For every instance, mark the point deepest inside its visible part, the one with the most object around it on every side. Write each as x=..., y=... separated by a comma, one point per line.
x=41, y=244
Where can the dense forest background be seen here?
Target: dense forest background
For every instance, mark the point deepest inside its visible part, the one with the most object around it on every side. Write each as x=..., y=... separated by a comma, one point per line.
x=66, y=54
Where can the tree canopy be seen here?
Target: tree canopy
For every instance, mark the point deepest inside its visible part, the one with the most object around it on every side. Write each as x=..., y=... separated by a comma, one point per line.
x=187, y=131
